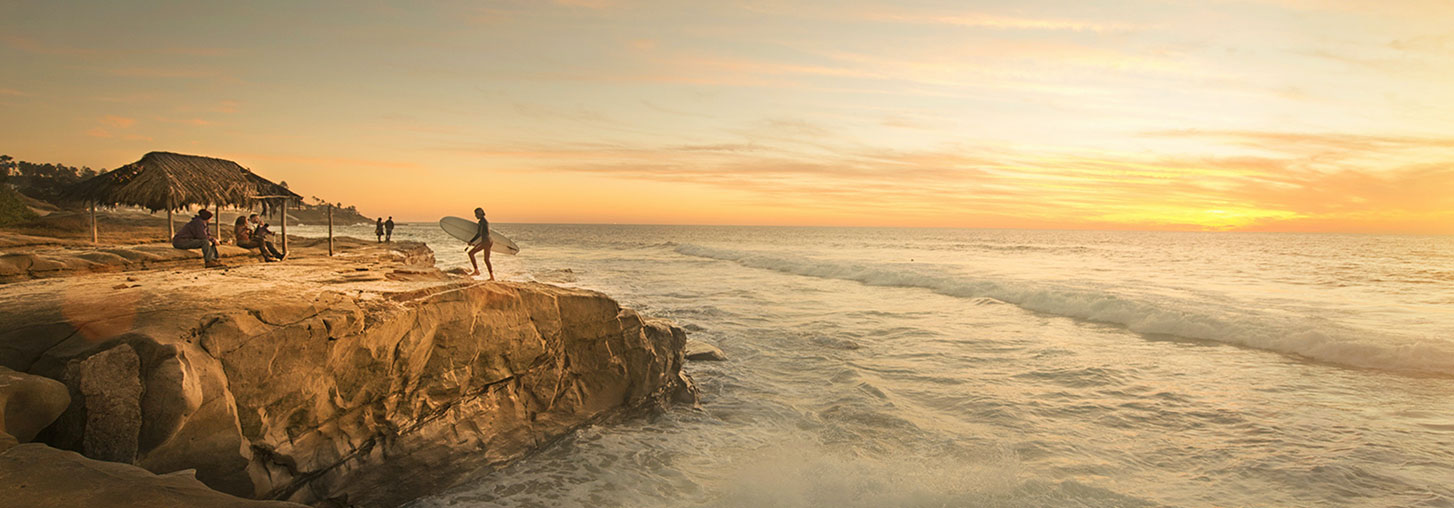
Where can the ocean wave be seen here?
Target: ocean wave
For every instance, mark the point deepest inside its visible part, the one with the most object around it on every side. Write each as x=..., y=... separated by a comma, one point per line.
x=1282, y=332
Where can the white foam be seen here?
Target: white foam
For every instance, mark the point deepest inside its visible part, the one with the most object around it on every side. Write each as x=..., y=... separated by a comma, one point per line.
x=1282, y=332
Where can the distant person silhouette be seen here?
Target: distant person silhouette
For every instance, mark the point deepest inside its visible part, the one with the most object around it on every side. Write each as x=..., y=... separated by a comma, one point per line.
x=482, y=236
x=379, y=229
x=389, y=229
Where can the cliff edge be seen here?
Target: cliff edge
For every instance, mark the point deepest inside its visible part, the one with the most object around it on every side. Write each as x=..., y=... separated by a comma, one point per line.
x=366, y=379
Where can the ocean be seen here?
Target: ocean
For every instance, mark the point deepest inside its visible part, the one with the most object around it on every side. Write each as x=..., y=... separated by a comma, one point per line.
x=1005, y=368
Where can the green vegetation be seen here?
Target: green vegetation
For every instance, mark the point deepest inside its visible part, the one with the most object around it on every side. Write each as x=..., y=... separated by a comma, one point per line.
x=12, y=207
x=41, y=181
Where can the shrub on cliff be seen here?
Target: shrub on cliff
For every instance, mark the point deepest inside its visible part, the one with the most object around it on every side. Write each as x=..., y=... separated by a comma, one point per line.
x=12, y=207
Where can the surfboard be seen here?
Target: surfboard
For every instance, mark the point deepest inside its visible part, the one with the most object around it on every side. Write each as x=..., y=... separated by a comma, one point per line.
x=464, y=230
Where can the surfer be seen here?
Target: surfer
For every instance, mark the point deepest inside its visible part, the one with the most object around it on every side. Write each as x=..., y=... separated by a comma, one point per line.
x=482, y=235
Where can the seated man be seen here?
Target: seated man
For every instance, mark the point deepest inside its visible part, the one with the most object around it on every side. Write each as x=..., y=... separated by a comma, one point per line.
x=195, y=235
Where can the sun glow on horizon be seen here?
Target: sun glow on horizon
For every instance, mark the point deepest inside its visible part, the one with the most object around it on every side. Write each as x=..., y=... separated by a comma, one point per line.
x=1328, y=116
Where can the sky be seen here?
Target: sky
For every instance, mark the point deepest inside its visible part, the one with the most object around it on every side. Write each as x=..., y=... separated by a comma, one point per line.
x=1242, y=115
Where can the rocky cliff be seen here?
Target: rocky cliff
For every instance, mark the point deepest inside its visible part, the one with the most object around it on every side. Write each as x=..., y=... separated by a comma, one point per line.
x=366, y=379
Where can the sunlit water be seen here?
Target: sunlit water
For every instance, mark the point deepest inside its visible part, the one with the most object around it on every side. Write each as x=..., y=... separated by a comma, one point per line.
x=919, y=368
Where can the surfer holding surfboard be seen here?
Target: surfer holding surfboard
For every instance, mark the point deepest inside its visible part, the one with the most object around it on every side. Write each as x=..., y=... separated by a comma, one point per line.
x=482, y=236
x=478, y=237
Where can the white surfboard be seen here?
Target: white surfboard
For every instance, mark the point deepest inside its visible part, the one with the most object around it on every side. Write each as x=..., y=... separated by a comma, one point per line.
x=465, y=229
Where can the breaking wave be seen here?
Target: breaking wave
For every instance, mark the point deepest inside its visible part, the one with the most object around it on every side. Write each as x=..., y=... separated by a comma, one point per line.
x=1307, y=336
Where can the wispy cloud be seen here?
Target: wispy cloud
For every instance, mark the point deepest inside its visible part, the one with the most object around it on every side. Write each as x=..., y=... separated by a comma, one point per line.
x=994, y=21
x=36, y=46
x=168, y=73
x=1310, y=144
x=1079, y=189
x=940, y=16
x=118, y=121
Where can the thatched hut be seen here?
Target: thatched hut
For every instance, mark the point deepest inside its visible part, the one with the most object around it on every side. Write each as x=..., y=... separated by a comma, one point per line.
x=171, y=181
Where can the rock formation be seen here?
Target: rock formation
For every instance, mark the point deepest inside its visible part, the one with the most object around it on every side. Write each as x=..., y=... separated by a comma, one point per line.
x=367, y=379
x=38, y=476
x=27, y=405
x=699, y=351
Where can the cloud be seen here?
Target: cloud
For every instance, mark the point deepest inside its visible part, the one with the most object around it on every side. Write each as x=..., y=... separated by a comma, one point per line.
x=30, y=45
x=591, y=4
x=1309, y=144
x=37, y=47
x=996, y=186
x=118, y=121
x=225, y=107
x=952, y=17
x=996, y=21
x=329, y=162
x=168, y=73
x=12, y=92
x=1442, y=44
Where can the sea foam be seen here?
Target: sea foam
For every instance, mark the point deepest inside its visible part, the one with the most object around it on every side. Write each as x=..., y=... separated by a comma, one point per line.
x=1283, y=332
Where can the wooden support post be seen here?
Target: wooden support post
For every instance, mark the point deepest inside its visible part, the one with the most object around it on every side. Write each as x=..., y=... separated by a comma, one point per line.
x=217, y=222
x=171, y=226
x=330, y=230
x=95, y=237
x=285, y=226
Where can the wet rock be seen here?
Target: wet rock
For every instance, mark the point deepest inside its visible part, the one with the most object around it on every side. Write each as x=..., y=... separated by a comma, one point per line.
x=699, y=351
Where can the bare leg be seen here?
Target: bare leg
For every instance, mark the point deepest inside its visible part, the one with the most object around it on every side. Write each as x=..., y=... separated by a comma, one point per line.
x=488, y=266
x=475, y=263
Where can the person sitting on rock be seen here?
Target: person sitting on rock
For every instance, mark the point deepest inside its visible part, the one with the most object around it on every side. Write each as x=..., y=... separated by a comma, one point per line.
x=242, y=231
x=260, y=234
x=195, y=235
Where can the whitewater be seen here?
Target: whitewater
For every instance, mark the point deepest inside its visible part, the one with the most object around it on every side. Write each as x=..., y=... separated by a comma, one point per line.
x=940, y=367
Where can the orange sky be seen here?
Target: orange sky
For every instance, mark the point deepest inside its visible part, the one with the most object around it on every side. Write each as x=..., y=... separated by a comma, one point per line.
x=1267, y=115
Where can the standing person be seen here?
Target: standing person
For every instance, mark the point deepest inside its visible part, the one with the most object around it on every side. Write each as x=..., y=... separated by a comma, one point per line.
x=196, y=235
x=389, y=229
x=379, y=229
x=482, y=235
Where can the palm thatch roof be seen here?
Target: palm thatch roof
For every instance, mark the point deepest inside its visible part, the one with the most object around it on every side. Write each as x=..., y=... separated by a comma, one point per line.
x=171, y=181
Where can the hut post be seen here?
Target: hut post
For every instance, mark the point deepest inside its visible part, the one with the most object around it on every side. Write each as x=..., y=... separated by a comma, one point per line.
x=330, y=229
x=95, y=236
x=217, y=222
x=171, y=226
x=285, y=226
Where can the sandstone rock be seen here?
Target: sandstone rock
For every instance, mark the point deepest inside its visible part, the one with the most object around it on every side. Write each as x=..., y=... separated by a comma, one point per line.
x=110, y=383
x=29, y=403
x=38, y=476
x=282, y=381
x=703, y=352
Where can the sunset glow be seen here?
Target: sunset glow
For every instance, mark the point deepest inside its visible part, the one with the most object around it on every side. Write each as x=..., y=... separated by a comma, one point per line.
x=1263, y=115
